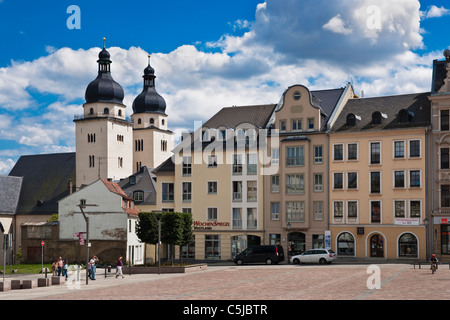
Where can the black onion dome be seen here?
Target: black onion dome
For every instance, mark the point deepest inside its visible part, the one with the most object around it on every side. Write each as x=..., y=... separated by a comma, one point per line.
x=149, y=100
x=104, y=88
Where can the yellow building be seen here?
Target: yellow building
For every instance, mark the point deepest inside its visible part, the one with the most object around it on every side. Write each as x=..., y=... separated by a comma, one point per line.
x=378, y=193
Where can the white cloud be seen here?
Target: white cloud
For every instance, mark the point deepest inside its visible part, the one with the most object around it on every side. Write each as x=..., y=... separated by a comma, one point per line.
x=434, y=12
x=337, y=25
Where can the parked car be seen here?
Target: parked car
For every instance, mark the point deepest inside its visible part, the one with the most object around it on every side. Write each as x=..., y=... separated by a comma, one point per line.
x=321, y=256
x=255, y=254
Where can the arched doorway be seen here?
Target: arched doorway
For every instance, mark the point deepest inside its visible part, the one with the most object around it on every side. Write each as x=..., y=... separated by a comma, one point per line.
x=377, y=246
x=346, y=244
x=407, y=245
x=296, y=242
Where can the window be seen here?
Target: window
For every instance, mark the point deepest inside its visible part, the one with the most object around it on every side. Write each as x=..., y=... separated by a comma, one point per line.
x=187, y=166
x=415, y=208
x=282, y=125
x=152, y=121
x=407, y=245
x=295, y=211
x=167, y=192
x=212, y=247
x=352, y=180
x=375, y=211
x=352, y=151
x=237, y=218
x=212, y=187
x=338, y=209
x=138, y=196
x=375, y=182
x=275, y=184
x=295, y=184
x=445, y=164
x=106, y=111
x=187, y=191
x=295, y=156
x=252, y=221
x=212, y=161
x=310, y=123
x=212, y=214
x=91, y=161
x=351, y=120
x=296, y=125
x=399, y=208
x=318, y=210
x=251, y=163
x=338, y=152
x=445, y=196
x=318, y=182
x=376, y=117
x=346, y=244
x=318, y=154
x=163, y=145
x=414, y=179
x=414, y=148
x=237, y=164
x=338, y=181
x=275, y=156
x=275, y=211
x=237, y=191
x=445, y=238
x=120, y=162
x=252, y=191
x=399, y=179
x=444, y=120
x=399, y=149
x=352, y=209
x=375, y=153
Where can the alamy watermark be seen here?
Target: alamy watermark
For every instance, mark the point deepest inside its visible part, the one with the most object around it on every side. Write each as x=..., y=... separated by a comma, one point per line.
x=74, y=20
x=374, y=280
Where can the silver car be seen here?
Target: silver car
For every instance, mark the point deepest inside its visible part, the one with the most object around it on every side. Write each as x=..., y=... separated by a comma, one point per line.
x=321, y=256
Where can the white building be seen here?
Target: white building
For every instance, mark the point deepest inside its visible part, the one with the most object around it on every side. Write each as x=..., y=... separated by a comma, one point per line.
x=112, y=221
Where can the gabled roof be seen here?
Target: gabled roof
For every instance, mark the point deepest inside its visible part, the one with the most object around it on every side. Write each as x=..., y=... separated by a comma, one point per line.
x=45, y=180
x=231, y=117
x=116, y=189
x=143, y=181
x=166, y=166
x=417, y=105
x=9, y=194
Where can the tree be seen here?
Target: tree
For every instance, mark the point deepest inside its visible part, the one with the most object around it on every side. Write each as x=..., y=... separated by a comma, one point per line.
x=147, y=227
x=187, y=235
x=171, y=230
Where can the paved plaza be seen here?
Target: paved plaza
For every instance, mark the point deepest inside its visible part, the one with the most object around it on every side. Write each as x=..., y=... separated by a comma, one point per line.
x=257, y=283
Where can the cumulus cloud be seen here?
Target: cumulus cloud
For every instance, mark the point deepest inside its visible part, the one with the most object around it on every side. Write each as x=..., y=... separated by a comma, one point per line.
x=337, y=25
x=434, y=12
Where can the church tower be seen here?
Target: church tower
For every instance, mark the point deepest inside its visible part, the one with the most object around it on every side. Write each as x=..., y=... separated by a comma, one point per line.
x=153, y=142
x=103, y=135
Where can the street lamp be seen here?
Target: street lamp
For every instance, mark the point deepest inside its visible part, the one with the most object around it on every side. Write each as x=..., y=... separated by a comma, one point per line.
x=83, y=205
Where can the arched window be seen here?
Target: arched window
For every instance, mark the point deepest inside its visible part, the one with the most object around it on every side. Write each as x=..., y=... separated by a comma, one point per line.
x=376, y=117
x=106, y=111
x=351, y=120
x=139, y=121
x=404, y=116
x=152, y=121
x=120, y=113
x=346, y=244
x=407, y=245
x=91, y=111
x=377, y=246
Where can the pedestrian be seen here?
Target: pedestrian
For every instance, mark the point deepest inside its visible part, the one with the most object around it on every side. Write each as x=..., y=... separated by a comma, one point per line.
x=54, y=268
x=119, y=265
x=66, y=266
x=93, y=261
x=59, y=265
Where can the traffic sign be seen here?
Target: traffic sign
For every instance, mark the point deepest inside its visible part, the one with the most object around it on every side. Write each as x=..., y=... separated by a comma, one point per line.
x=42, y=243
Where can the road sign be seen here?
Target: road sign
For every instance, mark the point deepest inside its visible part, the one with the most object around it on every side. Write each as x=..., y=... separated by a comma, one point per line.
x=42, y=243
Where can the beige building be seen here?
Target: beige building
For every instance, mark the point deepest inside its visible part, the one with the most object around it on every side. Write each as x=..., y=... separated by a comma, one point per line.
x=378, y=190
x=296, y=194
x=439, y=171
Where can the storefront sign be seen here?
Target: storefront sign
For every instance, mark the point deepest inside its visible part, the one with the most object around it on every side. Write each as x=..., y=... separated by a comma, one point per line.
x=407, y=221
x=209, y=225
x=440, y=220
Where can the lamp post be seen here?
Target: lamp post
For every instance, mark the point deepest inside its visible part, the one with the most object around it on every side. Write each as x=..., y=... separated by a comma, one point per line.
x=158, y=221
x=83, y=205
x=288, y=227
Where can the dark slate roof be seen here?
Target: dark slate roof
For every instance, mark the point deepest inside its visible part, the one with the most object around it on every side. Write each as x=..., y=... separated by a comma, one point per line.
x=144, y=181
x=166, y=166
x=45, y=181
x=439, y=74
x=417, y=104
x=231, y=117
x=9, y=194
x=328, y=101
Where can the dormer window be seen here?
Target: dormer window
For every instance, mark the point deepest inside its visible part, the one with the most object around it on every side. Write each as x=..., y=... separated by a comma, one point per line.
x=106, y=111
x=376, y=117
x=404, y=116
x=351, y=120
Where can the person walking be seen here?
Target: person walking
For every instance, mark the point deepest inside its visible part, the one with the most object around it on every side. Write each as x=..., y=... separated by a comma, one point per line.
x=66, y=267
x=59, y=265
x=119, y=265
x=93, y=261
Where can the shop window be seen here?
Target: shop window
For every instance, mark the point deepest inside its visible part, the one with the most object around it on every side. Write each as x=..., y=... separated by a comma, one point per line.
x=346, y=244
x=407, y=245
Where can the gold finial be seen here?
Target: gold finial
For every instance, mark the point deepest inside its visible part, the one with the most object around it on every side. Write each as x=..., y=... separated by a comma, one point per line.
x=149, y=59
x=104, y=39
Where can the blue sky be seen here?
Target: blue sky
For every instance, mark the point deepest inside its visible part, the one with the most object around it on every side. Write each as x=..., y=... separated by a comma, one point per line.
x=207, y=54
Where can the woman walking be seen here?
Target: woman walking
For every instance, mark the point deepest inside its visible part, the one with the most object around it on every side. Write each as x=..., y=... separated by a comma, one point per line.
x=119, y=265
